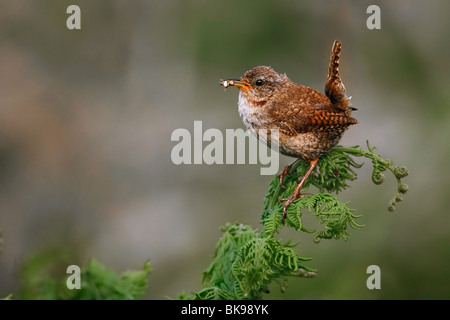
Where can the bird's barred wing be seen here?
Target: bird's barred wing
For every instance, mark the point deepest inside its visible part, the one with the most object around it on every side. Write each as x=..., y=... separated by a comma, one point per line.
x=313, y=121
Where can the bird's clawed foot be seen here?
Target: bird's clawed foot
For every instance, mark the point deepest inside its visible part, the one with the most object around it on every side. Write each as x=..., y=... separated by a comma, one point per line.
x=285, y=173
x=282, y=174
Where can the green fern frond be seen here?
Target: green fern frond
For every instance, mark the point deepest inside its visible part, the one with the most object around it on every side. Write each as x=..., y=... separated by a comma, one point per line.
x=213, y=293
x=262, y=261
x=380, y=165
x=218, y=274
x=272, y=222
x=335, y=215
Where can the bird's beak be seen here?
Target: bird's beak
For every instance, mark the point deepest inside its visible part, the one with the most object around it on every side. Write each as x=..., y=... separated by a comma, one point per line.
x=235, y=83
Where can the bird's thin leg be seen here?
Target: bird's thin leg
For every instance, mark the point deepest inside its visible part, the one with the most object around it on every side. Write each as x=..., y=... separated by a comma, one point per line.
x=296, y=194
x=285, y=172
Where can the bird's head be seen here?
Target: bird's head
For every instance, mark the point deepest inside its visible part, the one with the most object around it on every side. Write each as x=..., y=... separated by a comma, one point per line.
x=258, y=84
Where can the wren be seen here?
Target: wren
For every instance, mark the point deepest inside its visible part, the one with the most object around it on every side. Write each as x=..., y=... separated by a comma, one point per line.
x=309, y=122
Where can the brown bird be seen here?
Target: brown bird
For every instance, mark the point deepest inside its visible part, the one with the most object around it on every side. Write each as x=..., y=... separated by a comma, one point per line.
x=309, y=122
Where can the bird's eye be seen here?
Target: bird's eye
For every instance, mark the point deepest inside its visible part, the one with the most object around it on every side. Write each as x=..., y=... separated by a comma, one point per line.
x=259, y=82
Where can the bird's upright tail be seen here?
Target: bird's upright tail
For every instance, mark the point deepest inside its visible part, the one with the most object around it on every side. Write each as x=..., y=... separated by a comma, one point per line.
x=334, y=88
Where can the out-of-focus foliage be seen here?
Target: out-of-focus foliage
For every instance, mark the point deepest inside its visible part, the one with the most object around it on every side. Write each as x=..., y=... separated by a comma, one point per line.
x=43, y=278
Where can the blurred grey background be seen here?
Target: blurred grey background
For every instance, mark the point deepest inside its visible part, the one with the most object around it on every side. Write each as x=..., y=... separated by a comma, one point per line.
x=86, y=118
